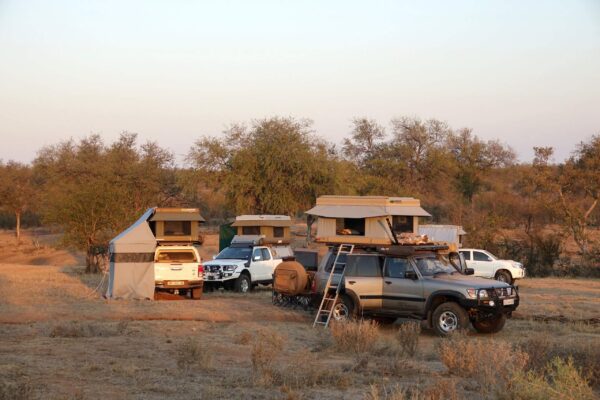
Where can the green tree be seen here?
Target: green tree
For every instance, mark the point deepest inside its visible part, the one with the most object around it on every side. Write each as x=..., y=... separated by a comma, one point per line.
x=274, y=166
x=17, y=191
x=93, y=191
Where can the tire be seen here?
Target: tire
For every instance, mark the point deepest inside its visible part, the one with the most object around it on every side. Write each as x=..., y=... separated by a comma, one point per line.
x=197, y=293
x=504, y=276
x=492, y=325
x=343, y=309
x=448, y=318
x=243, y=284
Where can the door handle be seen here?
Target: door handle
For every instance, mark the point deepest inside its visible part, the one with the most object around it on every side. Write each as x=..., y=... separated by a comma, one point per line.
x=388, y=282
x=351, y=282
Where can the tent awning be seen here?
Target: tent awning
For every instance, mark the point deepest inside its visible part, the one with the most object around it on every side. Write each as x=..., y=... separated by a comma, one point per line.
x=366, y=211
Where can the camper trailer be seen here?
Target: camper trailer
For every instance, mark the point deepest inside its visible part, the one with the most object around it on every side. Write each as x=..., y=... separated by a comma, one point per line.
x=176, y=225
x=275, y=229
x=365, y=220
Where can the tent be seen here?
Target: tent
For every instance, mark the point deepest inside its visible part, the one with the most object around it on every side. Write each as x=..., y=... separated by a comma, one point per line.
x=132, y=261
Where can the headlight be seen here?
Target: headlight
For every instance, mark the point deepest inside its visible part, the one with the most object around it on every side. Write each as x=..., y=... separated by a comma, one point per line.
x=517, y=265
x=483, y=294
x=229, y=267
x=472, y=293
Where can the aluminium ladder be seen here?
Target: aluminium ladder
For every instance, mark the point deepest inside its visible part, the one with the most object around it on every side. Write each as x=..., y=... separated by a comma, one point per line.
x=332, y=291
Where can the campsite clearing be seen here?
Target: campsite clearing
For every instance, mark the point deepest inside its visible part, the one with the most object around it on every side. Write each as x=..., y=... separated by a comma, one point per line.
x=61, y=340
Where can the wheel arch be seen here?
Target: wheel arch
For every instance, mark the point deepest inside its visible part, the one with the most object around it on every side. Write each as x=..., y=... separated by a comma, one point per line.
x=441, y=296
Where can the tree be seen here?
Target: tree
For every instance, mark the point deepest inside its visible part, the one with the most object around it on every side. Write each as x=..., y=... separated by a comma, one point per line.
x=274, y=166
x=17, y=192
x=364, y=139
x=93, y=191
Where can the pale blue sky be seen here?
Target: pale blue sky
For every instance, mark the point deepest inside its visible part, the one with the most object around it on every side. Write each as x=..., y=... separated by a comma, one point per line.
x=525, y=72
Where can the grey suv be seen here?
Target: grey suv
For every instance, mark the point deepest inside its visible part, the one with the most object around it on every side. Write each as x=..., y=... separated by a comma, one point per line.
x=422, y=285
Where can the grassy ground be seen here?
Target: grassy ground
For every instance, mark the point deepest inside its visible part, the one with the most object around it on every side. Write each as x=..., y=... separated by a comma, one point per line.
x=60, y=340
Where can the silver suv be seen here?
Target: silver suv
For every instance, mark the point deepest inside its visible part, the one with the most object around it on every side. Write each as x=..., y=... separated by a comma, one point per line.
x=423, y=285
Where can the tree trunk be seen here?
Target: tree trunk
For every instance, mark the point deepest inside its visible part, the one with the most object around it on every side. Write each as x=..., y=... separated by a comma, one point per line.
x=18, y=227
x=92, y=261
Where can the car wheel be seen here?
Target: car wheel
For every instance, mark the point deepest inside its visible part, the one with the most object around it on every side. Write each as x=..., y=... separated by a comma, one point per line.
x=492, y=325
x=343, y=310
x=504, y=276
x=196, y=293
x=448, y=318
x=243, y=284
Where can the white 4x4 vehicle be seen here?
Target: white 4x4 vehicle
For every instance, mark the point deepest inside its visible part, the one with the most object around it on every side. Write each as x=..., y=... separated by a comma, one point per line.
x=243, y=265
x=179, y=269
x=486, y=265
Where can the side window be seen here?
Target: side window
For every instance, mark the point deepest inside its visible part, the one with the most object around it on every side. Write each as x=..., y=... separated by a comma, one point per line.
x=257, y=255
x=250, y=230
x=466, y=255
x=363, y=265
x=341, y=262
x=278, y=232
x=479, y=256
x=397, y=267
x=265, y=254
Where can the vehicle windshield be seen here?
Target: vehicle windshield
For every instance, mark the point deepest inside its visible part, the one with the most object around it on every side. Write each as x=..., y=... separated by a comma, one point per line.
x=431, y=266
x=235, y=253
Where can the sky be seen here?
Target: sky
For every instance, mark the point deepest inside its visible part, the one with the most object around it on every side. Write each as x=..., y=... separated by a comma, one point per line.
x=524, y=72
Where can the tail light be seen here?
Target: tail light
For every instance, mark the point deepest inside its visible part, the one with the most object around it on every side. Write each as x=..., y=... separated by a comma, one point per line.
x=200, y=270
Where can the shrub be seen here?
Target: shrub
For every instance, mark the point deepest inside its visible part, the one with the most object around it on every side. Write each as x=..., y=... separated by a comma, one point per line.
x=408, y=337
x=75, y=329
x=303, y=369
x=192, y=354
x=559, y=380
x=490, y=363
x=267, y=345
x=356, y=337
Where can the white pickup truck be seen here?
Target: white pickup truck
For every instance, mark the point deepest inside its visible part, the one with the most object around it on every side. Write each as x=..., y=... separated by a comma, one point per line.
x=243, y=265
x=487, y=265
x=178, y=269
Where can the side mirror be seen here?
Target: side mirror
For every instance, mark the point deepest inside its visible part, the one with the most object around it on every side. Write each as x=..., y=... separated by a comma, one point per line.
x=469, y=271
x=411, y=275
x=215, y=257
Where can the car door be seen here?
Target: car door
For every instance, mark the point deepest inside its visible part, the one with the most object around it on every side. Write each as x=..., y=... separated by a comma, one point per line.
x=270, y=262
x=401, y=295
x=259, y=267
x=483, y=264
x=363, y=278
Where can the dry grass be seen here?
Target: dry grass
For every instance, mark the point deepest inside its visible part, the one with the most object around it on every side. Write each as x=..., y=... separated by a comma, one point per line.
x=266, y=347
x=16, y=391
x=359, y=338
x=194, y=355
x=408, y=337
x=491, y=363
x=75, y=329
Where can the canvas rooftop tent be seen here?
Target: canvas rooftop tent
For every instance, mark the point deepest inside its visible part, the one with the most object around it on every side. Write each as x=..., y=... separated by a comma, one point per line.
x=274, y=228
x=132, y=261
x=176, y=224
x=363, y=219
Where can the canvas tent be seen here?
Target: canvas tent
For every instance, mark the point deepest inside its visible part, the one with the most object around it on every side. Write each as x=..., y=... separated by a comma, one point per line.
x=274, y=228
x=132, y=261
x=364, y=219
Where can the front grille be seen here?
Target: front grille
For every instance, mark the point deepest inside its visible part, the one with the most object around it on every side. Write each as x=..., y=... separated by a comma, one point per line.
x=212, y=268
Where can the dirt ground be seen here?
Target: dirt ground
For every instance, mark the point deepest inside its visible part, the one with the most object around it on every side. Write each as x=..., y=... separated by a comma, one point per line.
x=59, y=339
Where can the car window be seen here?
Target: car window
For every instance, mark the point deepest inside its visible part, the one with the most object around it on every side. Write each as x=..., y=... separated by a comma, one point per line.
x=397, y=267
x=265, y=254
x=340, y=265
x=363, y=265
x=182, y=256
x=235, y=253
x=466, y=255
x=479, y=256
x=257, y=255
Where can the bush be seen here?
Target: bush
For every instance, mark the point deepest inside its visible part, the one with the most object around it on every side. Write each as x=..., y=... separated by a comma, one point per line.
x=303, y=369
x=267, y=345
x=75, y=329
x=408, y=337
x=559, y=380
x=356, y=337
x=16, y=391
x=193, y=355
x=490, y=363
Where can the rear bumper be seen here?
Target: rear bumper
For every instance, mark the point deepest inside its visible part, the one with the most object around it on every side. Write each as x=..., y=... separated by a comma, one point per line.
x=179, y=285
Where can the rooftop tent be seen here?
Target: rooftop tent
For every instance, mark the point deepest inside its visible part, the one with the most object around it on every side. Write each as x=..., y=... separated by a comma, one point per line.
x=274, y=228
x=171, y=225
x=443, y=233
x=132, y=261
